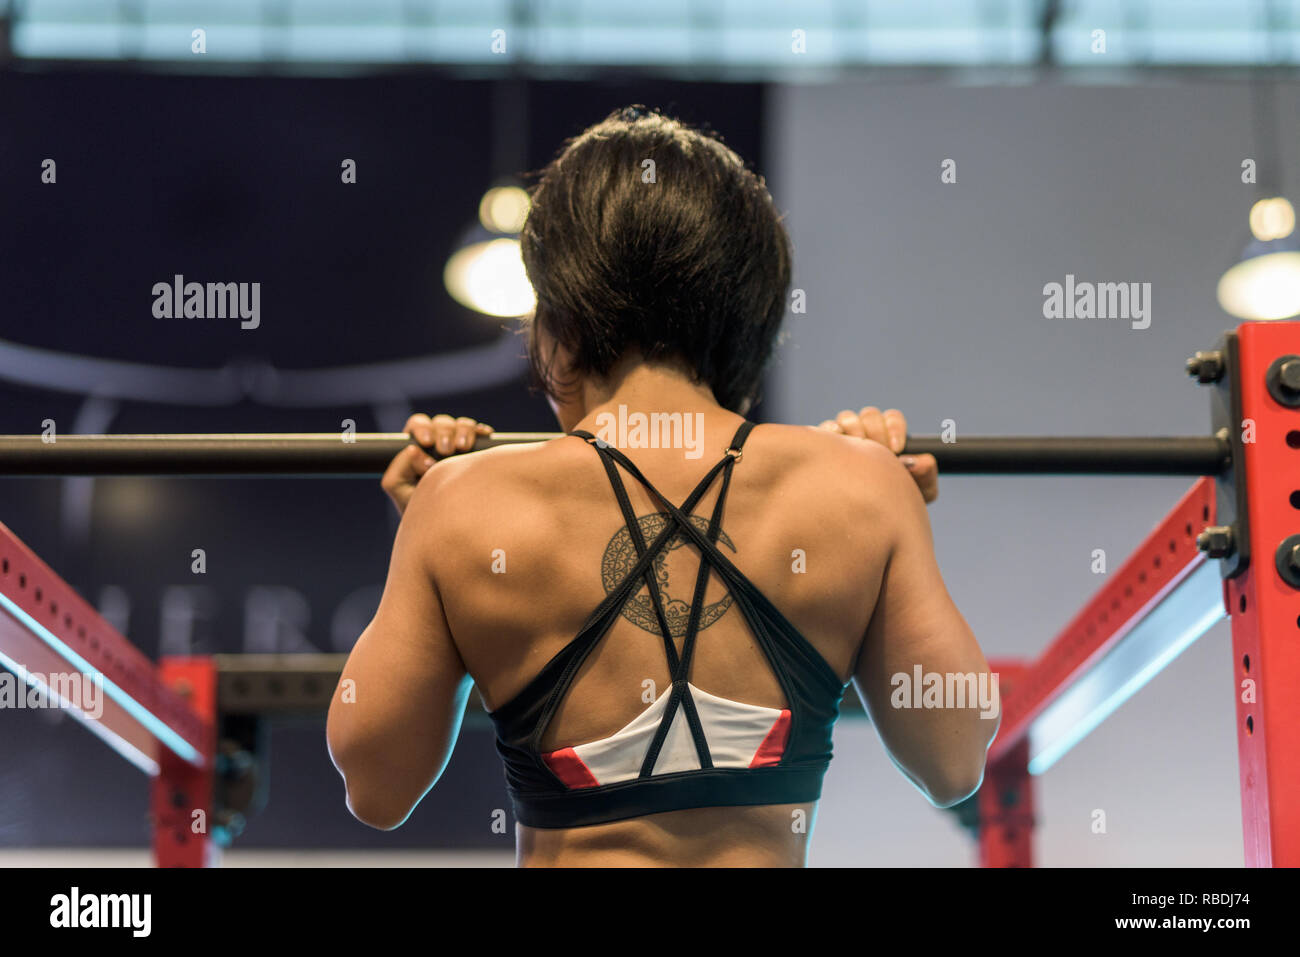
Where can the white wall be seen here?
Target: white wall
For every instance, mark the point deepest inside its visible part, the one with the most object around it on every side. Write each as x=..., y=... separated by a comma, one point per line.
x=929, y=297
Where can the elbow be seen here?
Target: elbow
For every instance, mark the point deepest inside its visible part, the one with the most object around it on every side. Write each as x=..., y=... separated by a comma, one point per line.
x=949, y=797
x=963, y=777
x=374, y=810
x=953, y=788
x=366, y=796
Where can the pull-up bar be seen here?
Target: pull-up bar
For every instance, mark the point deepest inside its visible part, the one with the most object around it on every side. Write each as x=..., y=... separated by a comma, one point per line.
x=365, y=454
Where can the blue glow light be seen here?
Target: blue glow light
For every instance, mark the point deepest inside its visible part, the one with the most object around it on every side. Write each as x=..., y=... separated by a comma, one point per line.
x=1183, y=616
x=119, y=744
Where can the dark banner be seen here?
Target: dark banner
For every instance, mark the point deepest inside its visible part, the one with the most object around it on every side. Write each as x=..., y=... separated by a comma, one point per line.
x=314, y=218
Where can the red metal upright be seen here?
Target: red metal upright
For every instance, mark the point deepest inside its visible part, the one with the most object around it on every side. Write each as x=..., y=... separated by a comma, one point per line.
x=181, y=798
x=1264, y=605
x=1006, y=798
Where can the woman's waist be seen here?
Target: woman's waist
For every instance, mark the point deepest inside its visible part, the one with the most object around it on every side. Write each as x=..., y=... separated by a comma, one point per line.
x=774, y=835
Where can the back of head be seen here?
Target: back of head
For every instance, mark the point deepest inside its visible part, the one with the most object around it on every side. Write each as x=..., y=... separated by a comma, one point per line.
x=648, y=235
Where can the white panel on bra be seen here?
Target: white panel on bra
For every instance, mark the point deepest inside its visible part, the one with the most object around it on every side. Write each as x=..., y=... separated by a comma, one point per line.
x=733, y=730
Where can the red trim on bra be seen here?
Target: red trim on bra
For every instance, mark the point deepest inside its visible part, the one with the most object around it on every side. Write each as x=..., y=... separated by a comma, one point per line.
x=570, y=769
x=773, y=746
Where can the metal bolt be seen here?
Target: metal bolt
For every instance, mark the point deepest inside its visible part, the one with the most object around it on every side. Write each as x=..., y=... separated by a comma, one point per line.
x=1283, y=380
x=1288, y=375
x=1207, y=367
x=1287, y=560
x=1292, y=558
x=1216, y=541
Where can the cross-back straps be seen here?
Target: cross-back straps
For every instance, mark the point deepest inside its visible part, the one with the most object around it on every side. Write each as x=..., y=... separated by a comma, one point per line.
x=710, y=557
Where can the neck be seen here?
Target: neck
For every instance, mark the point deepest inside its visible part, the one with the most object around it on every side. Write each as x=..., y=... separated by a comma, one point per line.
x=647, y=387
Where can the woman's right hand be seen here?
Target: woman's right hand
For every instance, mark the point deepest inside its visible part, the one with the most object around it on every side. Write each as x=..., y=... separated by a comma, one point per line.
x=889, y=428
x=441, y=435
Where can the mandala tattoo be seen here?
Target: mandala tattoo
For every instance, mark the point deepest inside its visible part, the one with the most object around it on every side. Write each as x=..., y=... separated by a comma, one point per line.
x=620, y=555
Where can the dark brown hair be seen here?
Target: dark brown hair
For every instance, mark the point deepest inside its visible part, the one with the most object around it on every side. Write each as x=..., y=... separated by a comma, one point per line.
x=693, y=266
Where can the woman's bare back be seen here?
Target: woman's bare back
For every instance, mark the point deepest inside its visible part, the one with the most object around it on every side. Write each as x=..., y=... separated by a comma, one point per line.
x=539, y=537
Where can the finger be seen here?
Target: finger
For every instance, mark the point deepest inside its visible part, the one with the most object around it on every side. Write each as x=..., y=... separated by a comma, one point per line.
x=850, y=424
x=465, y=434
x=896, y=428
x=829, y=425
x=873, y=423
x=483, y=428
x=924, y=470
x=420, y=427
x=405, y=469
x=444, y=430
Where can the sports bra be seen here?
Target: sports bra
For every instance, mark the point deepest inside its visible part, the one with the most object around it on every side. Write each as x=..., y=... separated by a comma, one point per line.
x=689, y=748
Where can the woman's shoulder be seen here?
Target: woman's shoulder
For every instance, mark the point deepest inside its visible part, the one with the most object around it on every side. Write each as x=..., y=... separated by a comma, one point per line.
x=830, y=470
x=815, y=464
x=821, y=448
x=479, y=483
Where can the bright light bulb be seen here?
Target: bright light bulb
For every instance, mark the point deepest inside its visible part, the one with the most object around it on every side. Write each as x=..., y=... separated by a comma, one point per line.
x=489, y=277
x=1272, y=218
x=504, y=209
x=1262, y=287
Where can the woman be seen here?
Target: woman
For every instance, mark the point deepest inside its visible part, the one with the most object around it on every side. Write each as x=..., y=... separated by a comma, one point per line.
x=782, y=562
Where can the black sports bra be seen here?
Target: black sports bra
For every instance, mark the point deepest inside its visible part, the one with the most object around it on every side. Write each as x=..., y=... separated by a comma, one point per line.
x=690, y=748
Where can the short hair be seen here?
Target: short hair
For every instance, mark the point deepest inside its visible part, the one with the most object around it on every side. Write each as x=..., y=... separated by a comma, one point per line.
x=692, y=265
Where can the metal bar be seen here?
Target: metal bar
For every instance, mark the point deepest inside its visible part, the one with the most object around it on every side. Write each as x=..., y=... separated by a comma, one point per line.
x=1264, y=601
x=368, y=454
x=1076, y=455
x=302, y=685
x=55, y=640
x=1153, y=607
x=288, y=685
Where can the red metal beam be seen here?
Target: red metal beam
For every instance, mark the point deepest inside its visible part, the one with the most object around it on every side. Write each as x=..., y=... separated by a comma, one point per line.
x=47, y=629
x=1266, y=609
x=1156, y=568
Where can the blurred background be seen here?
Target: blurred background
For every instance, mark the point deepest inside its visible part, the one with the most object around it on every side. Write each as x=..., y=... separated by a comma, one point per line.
x=360, y=163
